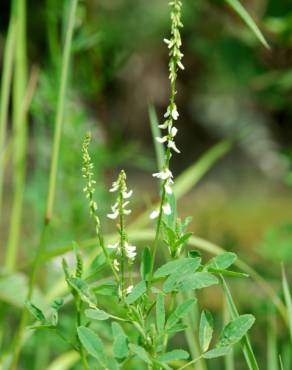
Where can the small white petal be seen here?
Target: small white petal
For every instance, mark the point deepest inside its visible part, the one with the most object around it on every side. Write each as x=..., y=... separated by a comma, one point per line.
x=164, y=125
x=173, y=131
x=129, y=289
x=128, y=194
x=166, y=209
x=181, y=66
x=166, y=41
x=161, y=139
x=116, y=264
x=113, y=246
x=171, y=145
x=174, y=114
x=154, y=214
x=127, y=211
x=113, y=216
x=168, y=189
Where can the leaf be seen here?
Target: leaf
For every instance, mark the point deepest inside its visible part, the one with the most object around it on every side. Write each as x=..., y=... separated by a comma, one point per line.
x=179, y=312
x=107, y=289
x=183, y=239
x=222, y=262
x=176, y=328
x=198, y=280
x=35, y=311
x=96, y=314
x=140, y=352
x=178, y=266
x=120, y=345
x=92, y=343
x=97, y=265
x=228, y=273
x=159, y=149
x=160, y=313
x=137, y=292
x=82, y=289
x=205, y=330
x=145, y=264
x=235, y=330
x=176, y=354
x=217, y=352
x=57, y=304
x=244, y=15
x=288, y=299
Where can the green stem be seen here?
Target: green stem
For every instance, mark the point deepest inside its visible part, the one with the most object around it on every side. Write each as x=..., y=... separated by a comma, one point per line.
x=79, y=323
x=52, y=182
x=5, y=93
x=60, y=110
x=19, y=130
x=190, y=363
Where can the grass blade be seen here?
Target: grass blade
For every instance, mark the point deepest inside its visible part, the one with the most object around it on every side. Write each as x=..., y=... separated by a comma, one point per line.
x=244, y=15
x=288, y=299
x=155, y=130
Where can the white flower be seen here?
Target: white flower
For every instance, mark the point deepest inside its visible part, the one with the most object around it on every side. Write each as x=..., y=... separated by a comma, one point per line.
x=154, y=214
x=166, y=41
x=163, y=175
x=181, y=66
x=113, y=215
x=115, y=187
x=167, y=186
x=166, y=209
x=174, y=113
x=113, y=246
x=130, y=251
x=129, y=289
x=164, y=125
x=167, y=113
x=161, y=140
x=128, y=194
x=173, y=131
x=171, y=145
x=116, y=264
x=127, y=211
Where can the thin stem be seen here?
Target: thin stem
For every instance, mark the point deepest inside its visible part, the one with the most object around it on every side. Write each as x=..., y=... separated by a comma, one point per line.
x=78, y=303
x=5, y=93
x=19, y=133
x=190, y=363
x=60, y=110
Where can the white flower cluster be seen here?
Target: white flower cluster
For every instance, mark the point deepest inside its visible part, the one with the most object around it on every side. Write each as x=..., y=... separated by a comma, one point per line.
x=87, y=170
x=171, y=115
x=119, y=210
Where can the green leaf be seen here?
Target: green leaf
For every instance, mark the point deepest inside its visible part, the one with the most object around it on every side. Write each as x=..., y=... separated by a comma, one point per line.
x=107, y=289
x=217, y=352
x=183, y=239
x=120, y=345
x=82, y=289
x=235, y=330
x=160, y=313
x=137, y=292
x=57, y=304
x=205, y=330
x=96, y=314
x=145, y=264
x=97, y=265
x=228, y=273
x=176, y=354
x=176, y=328
x=198, y=280
x=35, y=311
x=140, y=352
x=179, y=312
x=288, y=299
x=92, y=343
x=244, y=15
x=159, y=149
x=222, y=262
x=177, y=266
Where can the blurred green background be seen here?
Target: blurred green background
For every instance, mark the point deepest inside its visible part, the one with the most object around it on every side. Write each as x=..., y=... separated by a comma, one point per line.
x=231, y=87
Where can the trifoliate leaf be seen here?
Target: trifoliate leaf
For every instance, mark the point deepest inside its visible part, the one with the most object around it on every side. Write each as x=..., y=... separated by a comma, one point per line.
x=82, y=289
x=198, y=280
x=178, y=266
